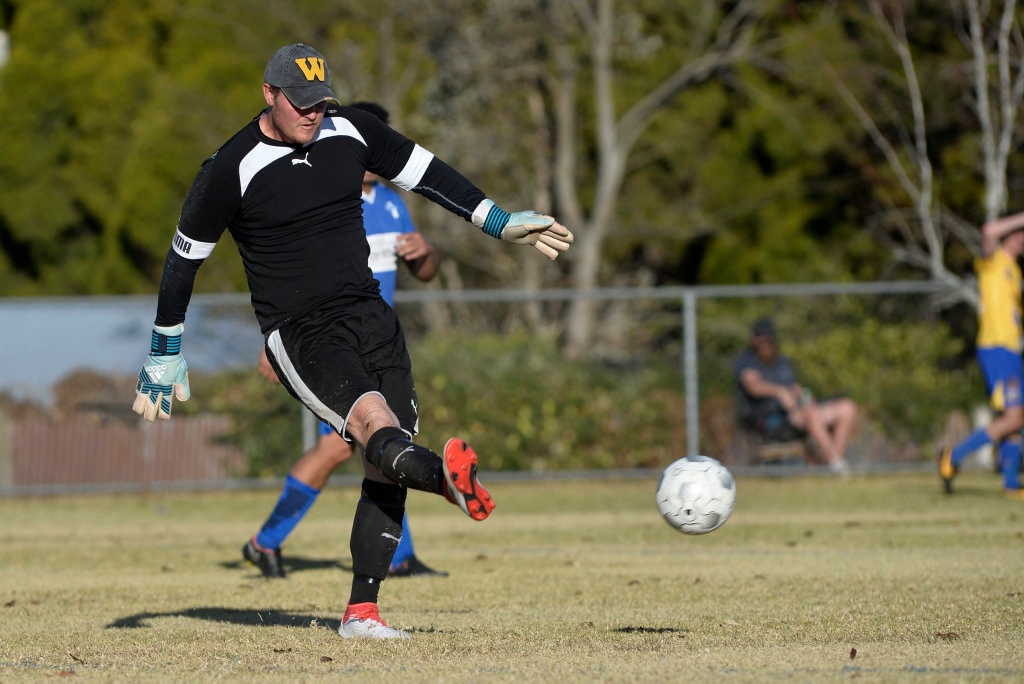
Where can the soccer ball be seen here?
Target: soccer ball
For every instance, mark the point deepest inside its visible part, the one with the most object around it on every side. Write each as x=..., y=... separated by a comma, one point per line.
x=696, y=494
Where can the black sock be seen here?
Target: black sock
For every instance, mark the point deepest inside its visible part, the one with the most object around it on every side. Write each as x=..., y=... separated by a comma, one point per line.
x=403, y=462
x=376, y=531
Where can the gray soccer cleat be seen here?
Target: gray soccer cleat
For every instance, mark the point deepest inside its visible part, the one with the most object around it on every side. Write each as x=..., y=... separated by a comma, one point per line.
x=362, y=621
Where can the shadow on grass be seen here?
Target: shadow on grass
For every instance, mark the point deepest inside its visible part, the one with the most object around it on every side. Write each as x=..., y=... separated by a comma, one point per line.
x=248, y=617
x=294, y=564
x=649, y=630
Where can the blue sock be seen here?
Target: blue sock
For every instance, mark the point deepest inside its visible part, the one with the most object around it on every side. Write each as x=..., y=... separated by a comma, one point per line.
x=974, y=441
x=296, y=498
x=1009, y=463
x=404, y=551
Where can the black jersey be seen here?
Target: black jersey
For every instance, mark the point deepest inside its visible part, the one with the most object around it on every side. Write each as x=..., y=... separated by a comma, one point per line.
x=295, y=213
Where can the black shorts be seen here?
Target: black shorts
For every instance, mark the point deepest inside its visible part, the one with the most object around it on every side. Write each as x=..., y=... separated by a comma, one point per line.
x=332, y=356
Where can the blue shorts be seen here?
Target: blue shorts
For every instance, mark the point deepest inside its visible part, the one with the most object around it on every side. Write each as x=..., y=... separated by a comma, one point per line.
x=1004, y=375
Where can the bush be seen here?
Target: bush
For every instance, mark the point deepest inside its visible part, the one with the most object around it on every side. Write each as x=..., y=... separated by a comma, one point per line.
x=525, y=407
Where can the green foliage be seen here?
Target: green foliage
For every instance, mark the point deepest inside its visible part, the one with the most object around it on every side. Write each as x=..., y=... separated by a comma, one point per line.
x=906, y=376
x=759, y=175
x=905, y=370
x=105, y=127
x=513, y=398
x=901, y=373
x=524, y=407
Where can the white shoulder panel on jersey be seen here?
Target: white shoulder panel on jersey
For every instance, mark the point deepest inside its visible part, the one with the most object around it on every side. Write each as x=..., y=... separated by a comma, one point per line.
x=412, y=174
x=257, y=159
x=191, y=249
x=335, y=125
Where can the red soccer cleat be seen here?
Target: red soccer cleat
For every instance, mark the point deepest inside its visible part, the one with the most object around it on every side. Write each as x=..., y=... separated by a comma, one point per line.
x=461, y=486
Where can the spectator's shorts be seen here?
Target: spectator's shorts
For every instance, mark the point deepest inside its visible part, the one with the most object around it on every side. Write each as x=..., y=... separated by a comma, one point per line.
x=775, y=427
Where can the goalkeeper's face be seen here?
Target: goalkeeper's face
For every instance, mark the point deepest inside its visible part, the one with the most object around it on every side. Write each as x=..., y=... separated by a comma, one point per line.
x=288, y=123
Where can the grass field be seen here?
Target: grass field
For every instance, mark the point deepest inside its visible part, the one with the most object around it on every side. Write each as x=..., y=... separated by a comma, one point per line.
x=878, y=578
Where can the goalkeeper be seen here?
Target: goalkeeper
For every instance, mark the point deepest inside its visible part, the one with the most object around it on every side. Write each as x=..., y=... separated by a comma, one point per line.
x=287, y=188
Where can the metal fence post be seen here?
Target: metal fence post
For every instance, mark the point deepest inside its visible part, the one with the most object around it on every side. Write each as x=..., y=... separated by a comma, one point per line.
x=690, y=371
x=310, y=429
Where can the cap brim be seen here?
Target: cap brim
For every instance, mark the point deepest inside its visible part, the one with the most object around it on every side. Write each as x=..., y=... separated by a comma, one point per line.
x=305, y=97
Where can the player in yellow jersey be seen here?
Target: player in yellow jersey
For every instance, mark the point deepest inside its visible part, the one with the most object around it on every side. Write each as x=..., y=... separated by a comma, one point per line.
x=999, y=346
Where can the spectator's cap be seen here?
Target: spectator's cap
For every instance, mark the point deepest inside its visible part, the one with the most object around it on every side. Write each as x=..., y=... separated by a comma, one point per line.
x=302, y=75
x=763, y=327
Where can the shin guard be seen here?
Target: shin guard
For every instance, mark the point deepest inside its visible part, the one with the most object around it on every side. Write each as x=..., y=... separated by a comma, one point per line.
x=405, y=463
x=376, y=531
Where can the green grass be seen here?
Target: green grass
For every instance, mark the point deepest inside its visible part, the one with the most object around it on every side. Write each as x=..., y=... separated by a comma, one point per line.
x=569, y=580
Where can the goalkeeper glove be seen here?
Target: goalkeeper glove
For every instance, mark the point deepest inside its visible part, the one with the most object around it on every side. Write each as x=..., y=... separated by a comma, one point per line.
x=164, y=373
x=523, y=228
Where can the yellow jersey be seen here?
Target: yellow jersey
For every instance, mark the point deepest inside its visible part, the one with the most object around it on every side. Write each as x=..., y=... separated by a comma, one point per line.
x=999, y=309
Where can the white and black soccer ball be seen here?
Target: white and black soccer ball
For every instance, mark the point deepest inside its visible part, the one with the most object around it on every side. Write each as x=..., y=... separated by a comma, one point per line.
x=696, y=494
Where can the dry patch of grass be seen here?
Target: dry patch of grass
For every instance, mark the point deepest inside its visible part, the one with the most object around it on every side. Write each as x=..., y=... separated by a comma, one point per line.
x=880, y=578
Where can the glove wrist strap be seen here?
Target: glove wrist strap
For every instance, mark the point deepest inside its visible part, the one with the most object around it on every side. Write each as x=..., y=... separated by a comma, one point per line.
x=490, y=218
x=166, y=341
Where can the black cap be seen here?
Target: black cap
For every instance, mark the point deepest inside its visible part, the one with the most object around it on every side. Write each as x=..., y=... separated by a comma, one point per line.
x=302, y=75
x=763, y=327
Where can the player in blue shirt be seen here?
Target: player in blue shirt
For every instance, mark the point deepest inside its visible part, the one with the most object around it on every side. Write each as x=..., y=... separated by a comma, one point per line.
x=392, y=237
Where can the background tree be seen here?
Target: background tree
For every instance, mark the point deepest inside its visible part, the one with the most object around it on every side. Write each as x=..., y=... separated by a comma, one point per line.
x=704, y=39
x=940, y=109
x=687, y=142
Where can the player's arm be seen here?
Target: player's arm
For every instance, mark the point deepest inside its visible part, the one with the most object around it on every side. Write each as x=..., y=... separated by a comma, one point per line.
x=164, y=375
x=419, y=255
x=414, y=168
x=993, y=232
x=756, y=386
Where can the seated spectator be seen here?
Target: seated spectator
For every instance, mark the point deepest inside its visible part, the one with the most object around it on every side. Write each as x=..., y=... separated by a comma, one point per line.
x=772, y=403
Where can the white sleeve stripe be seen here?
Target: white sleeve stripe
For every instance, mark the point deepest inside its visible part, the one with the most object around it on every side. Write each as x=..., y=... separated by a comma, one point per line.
x=337, y=126
x=191, y=249
x=412, y=174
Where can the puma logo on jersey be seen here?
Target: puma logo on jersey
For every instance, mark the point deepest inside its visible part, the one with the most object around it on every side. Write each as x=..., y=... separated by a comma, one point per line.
x=181, y=244
x=304, y=160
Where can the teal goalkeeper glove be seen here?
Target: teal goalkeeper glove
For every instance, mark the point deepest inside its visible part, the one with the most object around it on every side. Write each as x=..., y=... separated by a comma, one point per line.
x=164, y=373
x=523, y=228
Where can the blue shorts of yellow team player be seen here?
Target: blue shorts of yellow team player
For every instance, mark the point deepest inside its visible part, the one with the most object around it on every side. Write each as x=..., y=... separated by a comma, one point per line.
x=1004, y=375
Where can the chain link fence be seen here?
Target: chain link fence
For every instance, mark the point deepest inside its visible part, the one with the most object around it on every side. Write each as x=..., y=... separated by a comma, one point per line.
x=897, y=348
